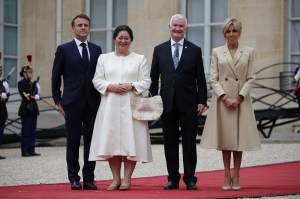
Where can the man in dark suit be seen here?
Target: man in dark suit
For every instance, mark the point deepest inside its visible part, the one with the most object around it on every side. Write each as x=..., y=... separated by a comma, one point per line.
x=178, y=64
x=75, y=62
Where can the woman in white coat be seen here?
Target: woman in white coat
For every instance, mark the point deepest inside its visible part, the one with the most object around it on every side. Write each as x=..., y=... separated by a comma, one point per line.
x=230, y=124
x=117, y=137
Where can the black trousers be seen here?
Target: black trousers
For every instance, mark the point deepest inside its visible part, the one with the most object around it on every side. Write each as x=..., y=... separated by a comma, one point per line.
x=188, y=123
x=79, y=122
x=28, y=133
x=2, y=126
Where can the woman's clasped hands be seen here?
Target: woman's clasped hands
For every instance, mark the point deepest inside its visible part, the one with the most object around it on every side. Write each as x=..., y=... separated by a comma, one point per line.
x=120, y=88
x=230, y=103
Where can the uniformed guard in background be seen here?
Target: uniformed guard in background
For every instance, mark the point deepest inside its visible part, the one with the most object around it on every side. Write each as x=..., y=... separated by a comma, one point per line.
x=4, y=95
x=28, y=111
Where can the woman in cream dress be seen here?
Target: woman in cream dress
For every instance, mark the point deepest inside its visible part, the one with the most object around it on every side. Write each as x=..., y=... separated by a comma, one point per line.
x=230, y=124
x=117, y=137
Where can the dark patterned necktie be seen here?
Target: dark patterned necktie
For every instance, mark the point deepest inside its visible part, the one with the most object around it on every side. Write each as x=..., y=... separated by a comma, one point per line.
x=85, y=55
x=176, y=55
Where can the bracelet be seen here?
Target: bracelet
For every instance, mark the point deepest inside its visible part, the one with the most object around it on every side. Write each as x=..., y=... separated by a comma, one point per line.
x=240, y=98
x=223, y=98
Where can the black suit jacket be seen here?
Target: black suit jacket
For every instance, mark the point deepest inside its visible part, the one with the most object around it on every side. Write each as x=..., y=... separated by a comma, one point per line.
x=186, y=84
x=77, y=80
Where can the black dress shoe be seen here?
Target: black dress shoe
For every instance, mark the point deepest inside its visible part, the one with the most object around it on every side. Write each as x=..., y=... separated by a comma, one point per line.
x=171, y=185
x=26, y=155
x=75, y=185
x=191, y=186
x=1, y=157
x=90, y=185
x=35, y=154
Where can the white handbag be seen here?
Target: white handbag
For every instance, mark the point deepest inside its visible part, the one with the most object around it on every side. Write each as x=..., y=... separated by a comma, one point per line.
x=146, y=108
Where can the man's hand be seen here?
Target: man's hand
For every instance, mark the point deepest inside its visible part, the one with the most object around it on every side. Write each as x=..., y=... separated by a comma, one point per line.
x=200, y=110
x=61, y=110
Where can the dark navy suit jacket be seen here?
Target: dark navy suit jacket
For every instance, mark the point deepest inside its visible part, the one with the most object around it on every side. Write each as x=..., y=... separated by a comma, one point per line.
x=77, y=80
x=186, y=84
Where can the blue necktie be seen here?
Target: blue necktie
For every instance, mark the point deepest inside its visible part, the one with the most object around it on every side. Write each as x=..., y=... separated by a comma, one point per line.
x=176, y=55
x=85, y=55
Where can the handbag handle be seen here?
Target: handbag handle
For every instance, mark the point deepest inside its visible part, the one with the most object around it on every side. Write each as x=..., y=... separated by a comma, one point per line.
x=148, y=94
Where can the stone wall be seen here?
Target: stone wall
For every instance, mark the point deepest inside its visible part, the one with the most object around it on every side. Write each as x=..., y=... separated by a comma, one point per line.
x=264, y=29
x=39, y=34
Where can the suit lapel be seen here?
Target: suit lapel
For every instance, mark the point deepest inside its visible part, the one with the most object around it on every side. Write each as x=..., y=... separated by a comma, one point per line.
x=78, y=55
x=229, y=59
x=183, y=54
x=75, y=49
x=168, y=48
x=237, y=56
x=90, y=48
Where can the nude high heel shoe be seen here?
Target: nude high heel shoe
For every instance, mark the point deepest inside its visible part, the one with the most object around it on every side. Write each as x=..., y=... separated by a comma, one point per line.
x=113, y=187
x=227, y=183
x=124, y=187
x=236, y=183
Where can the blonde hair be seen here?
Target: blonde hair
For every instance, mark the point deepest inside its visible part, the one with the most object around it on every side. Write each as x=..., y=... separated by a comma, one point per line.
x=231, y=21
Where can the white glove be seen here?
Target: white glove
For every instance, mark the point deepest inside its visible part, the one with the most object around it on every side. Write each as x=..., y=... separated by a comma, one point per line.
x=3, y=96
x=6, y=86
x=297, y=76
x=38, y=86
x=37, y=97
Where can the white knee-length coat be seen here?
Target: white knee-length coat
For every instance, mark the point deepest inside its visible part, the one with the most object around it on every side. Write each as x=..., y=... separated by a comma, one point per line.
x=116, y=133
x=226, y=129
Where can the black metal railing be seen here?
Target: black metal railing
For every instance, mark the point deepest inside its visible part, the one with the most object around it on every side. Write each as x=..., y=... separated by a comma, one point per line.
x=274, y=104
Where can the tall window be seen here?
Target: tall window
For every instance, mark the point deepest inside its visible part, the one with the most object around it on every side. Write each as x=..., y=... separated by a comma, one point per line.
x=105, y=16
x=294, y=32
x=9, y=38
x=204, y=24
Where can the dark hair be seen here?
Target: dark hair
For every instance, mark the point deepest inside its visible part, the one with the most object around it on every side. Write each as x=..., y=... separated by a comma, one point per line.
x=123, y=28
x=24, y=69
x=83, y=16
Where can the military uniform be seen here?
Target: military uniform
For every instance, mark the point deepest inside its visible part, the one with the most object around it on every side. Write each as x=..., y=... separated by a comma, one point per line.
x=28, y=112
x=4, y=94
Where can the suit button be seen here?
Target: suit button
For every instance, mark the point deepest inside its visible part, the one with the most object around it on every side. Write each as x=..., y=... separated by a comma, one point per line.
x=226, y=79
x=236, y=79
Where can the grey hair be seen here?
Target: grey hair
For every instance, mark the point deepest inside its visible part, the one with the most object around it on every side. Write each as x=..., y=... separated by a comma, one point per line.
x=178, y=16
x=231, y=21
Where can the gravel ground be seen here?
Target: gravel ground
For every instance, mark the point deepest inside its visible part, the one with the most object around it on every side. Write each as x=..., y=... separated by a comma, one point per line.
x=51, y=166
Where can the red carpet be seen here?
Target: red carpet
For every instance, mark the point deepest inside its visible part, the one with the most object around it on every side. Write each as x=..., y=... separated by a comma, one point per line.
x=267, y=180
